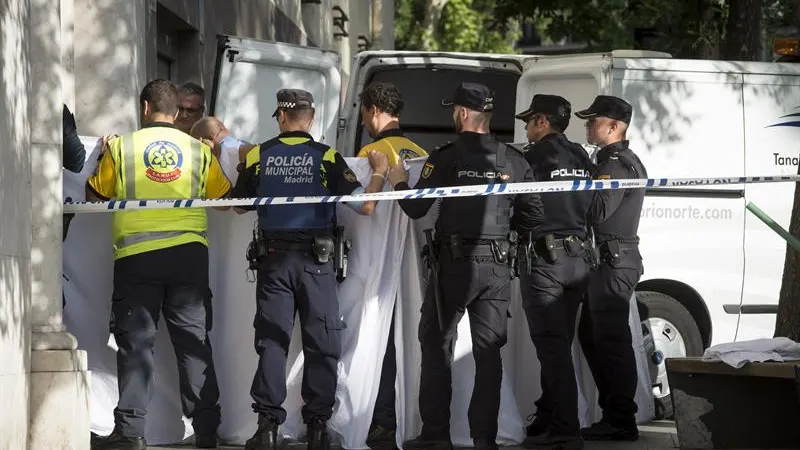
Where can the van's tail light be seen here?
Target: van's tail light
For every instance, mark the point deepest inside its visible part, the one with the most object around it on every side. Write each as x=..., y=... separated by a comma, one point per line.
x=787, y=46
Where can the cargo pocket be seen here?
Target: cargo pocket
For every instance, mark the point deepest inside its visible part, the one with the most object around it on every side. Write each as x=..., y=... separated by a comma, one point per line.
x=333, y=333
x=630, y=259
x=121, y=314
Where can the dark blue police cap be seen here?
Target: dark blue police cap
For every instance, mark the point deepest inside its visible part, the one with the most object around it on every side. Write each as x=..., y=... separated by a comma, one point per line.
x=608, y=106
x=474, y=96
x=293, y=99
x=550, y=105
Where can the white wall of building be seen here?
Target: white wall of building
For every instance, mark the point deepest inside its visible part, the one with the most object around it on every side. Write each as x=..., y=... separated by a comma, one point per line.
x=15, y=224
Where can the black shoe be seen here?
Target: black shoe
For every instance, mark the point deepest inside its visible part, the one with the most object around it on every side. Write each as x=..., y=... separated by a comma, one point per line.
x=538, y=426
x=317, y=436
x=116, y=441
x=381, y=438
x=485, y=444
x=606, y=431
x=266, y=437
x=206, y=440
x=554, y=441
x=428, y=444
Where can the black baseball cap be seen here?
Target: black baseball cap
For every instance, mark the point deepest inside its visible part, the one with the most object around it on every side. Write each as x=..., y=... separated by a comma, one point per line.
x=293, y=99
x=474, y=96
x=551, y=105
x=608, y=106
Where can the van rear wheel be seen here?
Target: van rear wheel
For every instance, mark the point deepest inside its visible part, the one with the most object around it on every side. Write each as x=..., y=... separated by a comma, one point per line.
x=669, y=331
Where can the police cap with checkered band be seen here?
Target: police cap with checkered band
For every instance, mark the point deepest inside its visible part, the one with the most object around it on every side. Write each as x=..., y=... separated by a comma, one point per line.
x=293, y=99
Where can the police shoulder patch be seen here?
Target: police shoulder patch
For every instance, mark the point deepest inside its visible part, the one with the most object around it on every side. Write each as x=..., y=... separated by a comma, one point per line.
x=350, y=176
x=427, y=169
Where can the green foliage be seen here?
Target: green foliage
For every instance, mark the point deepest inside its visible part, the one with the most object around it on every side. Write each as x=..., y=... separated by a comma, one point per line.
x=465, y=26
x=685, y=28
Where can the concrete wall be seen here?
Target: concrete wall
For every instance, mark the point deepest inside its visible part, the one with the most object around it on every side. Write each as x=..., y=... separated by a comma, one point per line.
x=115, y=45
x=58, y=390
x=15, y=223
x=109, y=48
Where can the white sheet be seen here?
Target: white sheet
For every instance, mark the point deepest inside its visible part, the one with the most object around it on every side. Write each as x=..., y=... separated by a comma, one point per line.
x=384, y=265
x=739, y=354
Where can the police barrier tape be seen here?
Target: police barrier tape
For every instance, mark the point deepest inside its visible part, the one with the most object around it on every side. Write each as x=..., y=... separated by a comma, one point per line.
x=541, y=187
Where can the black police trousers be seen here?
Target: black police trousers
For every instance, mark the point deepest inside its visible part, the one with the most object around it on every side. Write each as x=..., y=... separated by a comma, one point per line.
x=290, y=281
x=605, y=337
x=551, y=295
x=482, y=288
x=173, y=280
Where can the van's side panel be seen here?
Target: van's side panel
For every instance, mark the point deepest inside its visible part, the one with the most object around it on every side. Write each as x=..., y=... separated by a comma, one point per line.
x=251, y=72
x=690, y=124
x=578, y=80
x=772, y=138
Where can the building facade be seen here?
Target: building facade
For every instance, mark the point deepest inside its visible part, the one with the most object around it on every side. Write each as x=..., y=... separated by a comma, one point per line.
x=118, y=44
x=95, y=56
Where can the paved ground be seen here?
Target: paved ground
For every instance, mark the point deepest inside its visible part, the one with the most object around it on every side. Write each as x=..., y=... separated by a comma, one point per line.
x=653, y=436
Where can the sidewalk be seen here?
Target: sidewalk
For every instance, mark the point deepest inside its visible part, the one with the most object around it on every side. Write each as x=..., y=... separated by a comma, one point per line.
x=653, y=436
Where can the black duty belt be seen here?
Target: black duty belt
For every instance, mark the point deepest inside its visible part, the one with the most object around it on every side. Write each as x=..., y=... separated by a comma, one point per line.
x=289, y=246
x=558, y=243
x=623, y=244
x=470, y=250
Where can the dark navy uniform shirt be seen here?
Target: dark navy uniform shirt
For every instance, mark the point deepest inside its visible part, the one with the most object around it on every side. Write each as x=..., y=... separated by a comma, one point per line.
x=469, y=160
x=615, y=213
x=554, y=158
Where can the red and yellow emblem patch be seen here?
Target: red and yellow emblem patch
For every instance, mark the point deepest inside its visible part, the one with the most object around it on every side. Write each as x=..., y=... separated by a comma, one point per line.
x=427, y=169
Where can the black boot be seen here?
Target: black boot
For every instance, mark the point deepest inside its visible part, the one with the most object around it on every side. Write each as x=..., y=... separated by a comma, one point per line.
x=538, y=426
x=554, y=441
x=485, y=444
x=607, y=431
x=266, y=437
x=206, y=440
x=116, y=441
x=381, y=438
x=423, y=443
x=317, y=435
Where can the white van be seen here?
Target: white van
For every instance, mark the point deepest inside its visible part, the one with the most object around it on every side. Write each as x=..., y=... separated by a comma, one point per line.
x=712, y=270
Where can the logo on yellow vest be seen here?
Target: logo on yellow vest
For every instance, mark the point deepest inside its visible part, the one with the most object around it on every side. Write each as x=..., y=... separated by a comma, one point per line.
x=163, y=160
x=407, y=154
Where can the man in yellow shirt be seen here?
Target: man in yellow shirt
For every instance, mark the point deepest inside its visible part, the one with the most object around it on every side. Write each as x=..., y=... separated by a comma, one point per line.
x=161, y=264
x=381, y=105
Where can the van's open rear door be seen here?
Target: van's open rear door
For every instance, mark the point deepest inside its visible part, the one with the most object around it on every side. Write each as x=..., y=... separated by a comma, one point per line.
x=248, y=74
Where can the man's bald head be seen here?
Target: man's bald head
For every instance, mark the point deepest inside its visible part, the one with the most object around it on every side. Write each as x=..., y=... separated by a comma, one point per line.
x=209, y=128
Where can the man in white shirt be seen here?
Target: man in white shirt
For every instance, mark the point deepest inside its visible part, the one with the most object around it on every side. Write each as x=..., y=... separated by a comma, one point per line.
x=224, y=145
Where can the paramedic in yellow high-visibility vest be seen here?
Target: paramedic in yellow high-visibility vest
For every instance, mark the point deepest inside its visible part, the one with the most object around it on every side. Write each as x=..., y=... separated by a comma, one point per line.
x=381, y=105
x=161, y=265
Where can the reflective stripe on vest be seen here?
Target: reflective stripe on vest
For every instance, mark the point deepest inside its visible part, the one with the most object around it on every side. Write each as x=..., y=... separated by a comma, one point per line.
x=159, y=163
x=147, y=236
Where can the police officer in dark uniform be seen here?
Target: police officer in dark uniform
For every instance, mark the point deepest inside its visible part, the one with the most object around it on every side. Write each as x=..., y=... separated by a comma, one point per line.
x=293, y=252
x=604, y=332
x=472, y=250
x=559, y=255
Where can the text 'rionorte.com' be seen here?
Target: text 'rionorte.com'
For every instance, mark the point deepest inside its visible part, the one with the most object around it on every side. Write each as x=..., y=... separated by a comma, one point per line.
x=685, y=213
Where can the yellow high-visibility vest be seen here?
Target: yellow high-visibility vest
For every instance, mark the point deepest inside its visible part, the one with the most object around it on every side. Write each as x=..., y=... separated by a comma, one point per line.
x=159, y=163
